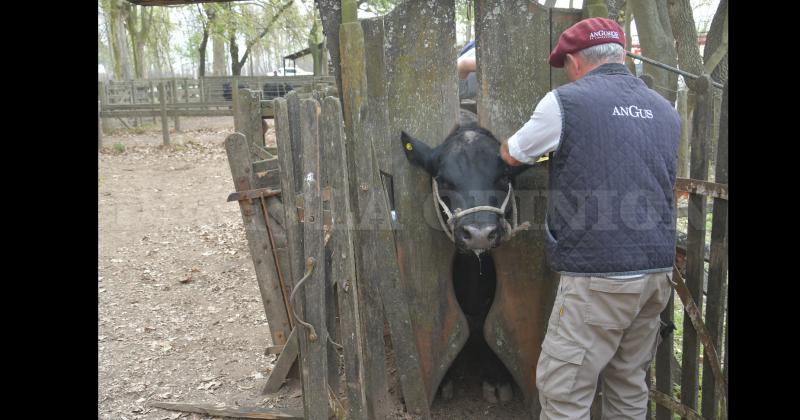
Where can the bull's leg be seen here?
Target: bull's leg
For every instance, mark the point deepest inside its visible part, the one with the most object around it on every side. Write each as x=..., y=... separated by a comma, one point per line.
x=497, y=383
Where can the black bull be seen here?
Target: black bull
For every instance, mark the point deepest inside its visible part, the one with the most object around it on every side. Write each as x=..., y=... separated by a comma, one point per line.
x=469, y=172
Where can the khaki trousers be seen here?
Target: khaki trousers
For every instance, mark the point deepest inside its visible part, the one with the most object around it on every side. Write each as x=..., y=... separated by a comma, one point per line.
x=604, y=329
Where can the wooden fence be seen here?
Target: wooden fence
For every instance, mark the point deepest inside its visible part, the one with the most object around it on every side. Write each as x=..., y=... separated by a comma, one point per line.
x=332, y=263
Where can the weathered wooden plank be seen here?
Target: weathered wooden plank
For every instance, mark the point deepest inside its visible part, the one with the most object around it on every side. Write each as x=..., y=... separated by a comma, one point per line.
x=664, y=361
x=286, y=359
x=174, y=100
x=258, y=239
x=695, y=242
x=99, y=128
x=102, y=91
x=164, y=122
x=505, y=101
x=248, y=118
x=239, y=412
x=718, y=266
x=169, y=112
x=370, y=309
x=313, y=347
x=377, y=118
x=293, y=105
x=343, y=258
x=294, y=233
x=423, y=100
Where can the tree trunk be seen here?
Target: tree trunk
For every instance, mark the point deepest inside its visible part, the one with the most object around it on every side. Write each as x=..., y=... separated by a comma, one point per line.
x=118, y=11
x=219, y=64
x=201, y=68
x=331, y=16
x=236, y=65
x=614, y=6
x=680, y=15
x=656, y=40
x=714, y=39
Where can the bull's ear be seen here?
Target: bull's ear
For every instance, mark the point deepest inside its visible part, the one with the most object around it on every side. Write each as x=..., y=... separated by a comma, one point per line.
x=418, y=153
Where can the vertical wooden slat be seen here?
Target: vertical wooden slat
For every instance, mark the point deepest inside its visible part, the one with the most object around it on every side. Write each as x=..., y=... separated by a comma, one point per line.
x=258, y=240
x=717, y=268
x=313, y=349
x=164, y=122
x=202, y=87
x=695, y=242
x=137, y=119
x=343, y=257
x=99, y=128
x=152, y=96
x=248, y=117
x=422, y=97
x=519, y=35
x=286, y=156
x=664, y=356
x=102, y=89
x=293, y=104
x=174, y=100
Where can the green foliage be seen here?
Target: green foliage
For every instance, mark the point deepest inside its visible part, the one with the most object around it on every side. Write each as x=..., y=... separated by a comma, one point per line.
x=118, y=148
x=379, y=7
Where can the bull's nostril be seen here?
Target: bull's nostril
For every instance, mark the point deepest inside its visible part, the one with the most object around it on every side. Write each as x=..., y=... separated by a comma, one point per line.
x=465, y=233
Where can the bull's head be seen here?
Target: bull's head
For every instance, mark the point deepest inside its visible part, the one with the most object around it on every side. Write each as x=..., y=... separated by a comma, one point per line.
x=469, y=174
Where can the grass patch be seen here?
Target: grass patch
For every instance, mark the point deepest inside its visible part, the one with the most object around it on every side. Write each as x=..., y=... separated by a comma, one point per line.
x=118, y=148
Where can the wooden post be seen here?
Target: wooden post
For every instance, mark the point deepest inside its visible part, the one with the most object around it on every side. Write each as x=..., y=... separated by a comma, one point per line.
x=664, y=362
x=136, y=119
x=174, y=100
x=235, y=94
x=695, y=242
x=103, y=92
x=258, y=239
x=718, y=266
x=152, y=97
x=201, y=85
x=164, y=123
x=99, y=128
x=186, y=89
x=343, y=255
x=313, y=344
x=248, y=116
x=683, y=146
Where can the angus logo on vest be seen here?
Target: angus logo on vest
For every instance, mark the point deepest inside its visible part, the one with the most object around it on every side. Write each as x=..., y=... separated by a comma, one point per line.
x=632, y=111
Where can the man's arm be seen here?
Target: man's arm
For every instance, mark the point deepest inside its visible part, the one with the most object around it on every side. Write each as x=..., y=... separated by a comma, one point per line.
x=465, y=66
x=507, y=156
x=541, y=134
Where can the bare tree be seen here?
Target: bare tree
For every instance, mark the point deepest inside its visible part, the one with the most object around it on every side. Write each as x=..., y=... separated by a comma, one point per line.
x=139, y=21
x=236, y=62
x=715, y=54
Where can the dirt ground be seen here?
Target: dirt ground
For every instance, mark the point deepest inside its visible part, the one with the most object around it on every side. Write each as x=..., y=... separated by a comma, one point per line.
x=180, y=318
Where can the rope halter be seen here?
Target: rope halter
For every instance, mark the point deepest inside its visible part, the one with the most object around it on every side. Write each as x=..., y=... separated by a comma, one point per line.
x=510, y=229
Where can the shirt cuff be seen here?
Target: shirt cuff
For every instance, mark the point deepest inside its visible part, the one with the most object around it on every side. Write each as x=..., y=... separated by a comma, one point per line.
x=516, y=153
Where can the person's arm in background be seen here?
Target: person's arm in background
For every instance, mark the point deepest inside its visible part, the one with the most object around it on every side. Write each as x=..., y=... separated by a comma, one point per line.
x=540, y=135
x=465, y=65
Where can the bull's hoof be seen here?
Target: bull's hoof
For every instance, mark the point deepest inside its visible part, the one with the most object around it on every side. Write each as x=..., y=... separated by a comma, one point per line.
x=505, y=392
x=447, y=390
x=489, y=392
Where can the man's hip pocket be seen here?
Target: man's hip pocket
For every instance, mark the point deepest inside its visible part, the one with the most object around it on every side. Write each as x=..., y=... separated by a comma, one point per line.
x=612, y=303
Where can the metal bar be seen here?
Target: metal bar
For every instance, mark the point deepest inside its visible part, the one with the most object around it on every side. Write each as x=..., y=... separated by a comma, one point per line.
x=252, y=194
x=670, y=68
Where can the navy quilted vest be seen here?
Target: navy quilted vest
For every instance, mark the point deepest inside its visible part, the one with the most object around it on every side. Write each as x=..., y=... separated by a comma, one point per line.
x=611, y=210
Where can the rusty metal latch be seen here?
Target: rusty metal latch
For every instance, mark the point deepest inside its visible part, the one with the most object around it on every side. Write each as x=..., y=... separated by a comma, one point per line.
x=251, y=194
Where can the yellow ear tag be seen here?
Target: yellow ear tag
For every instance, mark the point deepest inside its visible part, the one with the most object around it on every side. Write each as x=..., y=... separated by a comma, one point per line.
x=543, y=158
x=561, y=312
x=409, y=147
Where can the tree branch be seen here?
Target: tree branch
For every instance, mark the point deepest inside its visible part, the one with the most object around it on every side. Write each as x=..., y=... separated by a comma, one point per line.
x=264, y=32
x=721, y=50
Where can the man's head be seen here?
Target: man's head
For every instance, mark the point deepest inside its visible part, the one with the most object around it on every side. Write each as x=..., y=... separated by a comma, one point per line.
x=588, y=44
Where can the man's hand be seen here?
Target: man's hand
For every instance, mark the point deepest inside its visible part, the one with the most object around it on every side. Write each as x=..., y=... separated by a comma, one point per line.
x=507, y=156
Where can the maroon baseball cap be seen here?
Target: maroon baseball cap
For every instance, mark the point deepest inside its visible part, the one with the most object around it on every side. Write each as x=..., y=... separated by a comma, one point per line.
x=585, y=34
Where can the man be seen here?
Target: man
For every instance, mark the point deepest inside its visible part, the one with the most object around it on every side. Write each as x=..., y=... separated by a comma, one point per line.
x=610, y=227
